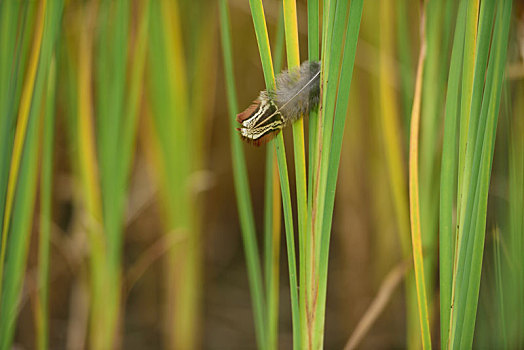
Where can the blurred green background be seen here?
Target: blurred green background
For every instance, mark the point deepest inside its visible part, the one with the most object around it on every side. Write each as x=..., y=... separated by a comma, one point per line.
x=120, y=222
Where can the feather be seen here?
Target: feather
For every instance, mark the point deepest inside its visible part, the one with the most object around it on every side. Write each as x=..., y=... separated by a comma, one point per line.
x=297, y=93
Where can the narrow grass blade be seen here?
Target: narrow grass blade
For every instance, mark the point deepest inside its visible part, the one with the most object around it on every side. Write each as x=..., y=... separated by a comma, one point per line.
x=339, y=121
x=136, y=83
x=469, y=118
x=418, y=260
x=499, y=290
x=331, y=59
x=406, y=69
x=273, y=216
x=12, y=40
x=242, y=192
x=272, y=232
x=391, y=134
x=313, y=152
x=514, y=286
x=470, y=42
x=259, y=22
x=293, y=60
x=42, y=308
x=391, y=130
x=433, y=87
x=290, y=238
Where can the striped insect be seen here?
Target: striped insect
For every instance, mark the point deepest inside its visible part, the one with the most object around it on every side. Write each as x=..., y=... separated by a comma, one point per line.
x=297, y=93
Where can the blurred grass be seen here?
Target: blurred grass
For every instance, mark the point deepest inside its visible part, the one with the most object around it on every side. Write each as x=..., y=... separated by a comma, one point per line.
x=22, y=183
x=392, y=135
x=42, y=307
x=19, y=136
x=179, y=126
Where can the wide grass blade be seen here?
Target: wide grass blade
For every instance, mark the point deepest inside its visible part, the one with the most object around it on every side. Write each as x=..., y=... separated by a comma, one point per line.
x=339, y=121
x=469, y=118
x=111, y=82
x=433, y=87
x=448, y=174
x=173, y=131
x=469, y=59
x=89, y=182
x=471, y=247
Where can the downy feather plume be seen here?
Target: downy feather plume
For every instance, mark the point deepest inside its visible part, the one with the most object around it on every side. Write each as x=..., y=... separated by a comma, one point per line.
x=297, y=93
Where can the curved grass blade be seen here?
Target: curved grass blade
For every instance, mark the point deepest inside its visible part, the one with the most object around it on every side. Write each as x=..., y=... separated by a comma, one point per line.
x=418, y=260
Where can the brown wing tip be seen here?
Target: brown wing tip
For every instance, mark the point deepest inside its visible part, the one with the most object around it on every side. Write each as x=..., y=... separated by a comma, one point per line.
x=261, y=141
x=248, y=111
